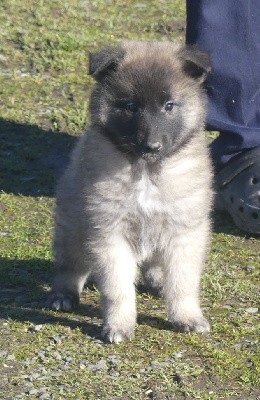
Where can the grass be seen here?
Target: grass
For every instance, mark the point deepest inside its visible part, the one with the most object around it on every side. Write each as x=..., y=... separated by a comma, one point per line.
x=44, y=95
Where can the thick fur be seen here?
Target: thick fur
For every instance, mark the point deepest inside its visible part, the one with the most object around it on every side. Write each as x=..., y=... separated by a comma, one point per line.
x=137, y=191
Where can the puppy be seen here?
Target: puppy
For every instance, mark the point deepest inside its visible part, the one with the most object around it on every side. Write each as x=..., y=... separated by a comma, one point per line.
x=137, y=191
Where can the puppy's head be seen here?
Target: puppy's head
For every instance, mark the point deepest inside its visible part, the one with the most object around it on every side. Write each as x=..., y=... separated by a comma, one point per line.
x=149, y=98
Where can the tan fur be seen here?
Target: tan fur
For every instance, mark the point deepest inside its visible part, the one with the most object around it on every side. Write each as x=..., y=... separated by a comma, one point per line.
x=114, y=214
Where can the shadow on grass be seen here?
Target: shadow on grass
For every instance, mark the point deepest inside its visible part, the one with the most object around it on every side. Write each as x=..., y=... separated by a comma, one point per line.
x=31, y=159
x=42, y=316
x=23, y=294
x=223, y=223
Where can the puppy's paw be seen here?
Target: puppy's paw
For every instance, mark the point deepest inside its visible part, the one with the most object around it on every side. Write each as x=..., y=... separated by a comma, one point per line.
x=197, y=325
x=116, y=336
x=62, y=301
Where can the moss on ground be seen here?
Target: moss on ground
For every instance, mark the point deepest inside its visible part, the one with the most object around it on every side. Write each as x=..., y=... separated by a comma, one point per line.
x=43, y=107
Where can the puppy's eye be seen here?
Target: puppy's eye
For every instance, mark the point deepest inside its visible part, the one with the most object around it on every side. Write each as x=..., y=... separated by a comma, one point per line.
x=169, y=106
x=131, y=107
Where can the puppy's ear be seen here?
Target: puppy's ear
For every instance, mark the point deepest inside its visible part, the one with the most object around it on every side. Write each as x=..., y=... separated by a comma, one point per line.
x=196, y=63
x=100, y=64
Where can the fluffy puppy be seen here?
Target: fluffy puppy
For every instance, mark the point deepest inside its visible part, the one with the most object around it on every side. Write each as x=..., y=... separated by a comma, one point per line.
x=137, y=191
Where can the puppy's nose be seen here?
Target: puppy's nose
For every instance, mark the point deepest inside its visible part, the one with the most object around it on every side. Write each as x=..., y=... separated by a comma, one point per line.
x=154, y=146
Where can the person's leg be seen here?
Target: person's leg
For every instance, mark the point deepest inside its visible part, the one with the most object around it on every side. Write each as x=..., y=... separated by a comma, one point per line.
x=229, y=31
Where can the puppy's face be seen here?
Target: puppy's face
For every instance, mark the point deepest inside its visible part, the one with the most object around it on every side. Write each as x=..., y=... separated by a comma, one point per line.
x=147, y=101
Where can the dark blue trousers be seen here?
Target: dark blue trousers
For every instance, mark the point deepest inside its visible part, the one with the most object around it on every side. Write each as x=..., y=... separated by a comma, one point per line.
x=229, y=30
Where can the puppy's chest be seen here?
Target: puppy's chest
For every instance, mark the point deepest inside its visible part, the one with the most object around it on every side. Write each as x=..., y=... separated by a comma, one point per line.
x=146, y=198
x=147, y=217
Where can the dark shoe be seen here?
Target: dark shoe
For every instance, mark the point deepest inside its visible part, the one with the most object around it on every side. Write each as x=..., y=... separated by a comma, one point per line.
x=238, y=190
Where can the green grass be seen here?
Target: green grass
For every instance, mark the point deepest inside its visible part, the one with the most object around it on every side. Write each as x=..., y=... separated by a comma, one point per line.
x=44, y=91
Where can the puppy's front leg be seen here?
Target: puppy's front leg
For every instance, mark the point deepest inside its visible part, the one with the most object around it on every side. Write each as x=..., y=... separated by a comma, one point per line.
x=116, y=277
x=184, y=260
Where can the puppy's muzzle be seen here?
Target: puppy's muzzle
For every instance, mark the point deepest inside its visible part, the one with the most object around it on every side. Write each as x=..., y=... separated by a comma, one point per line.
x=153, y=147
x=151, y=151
